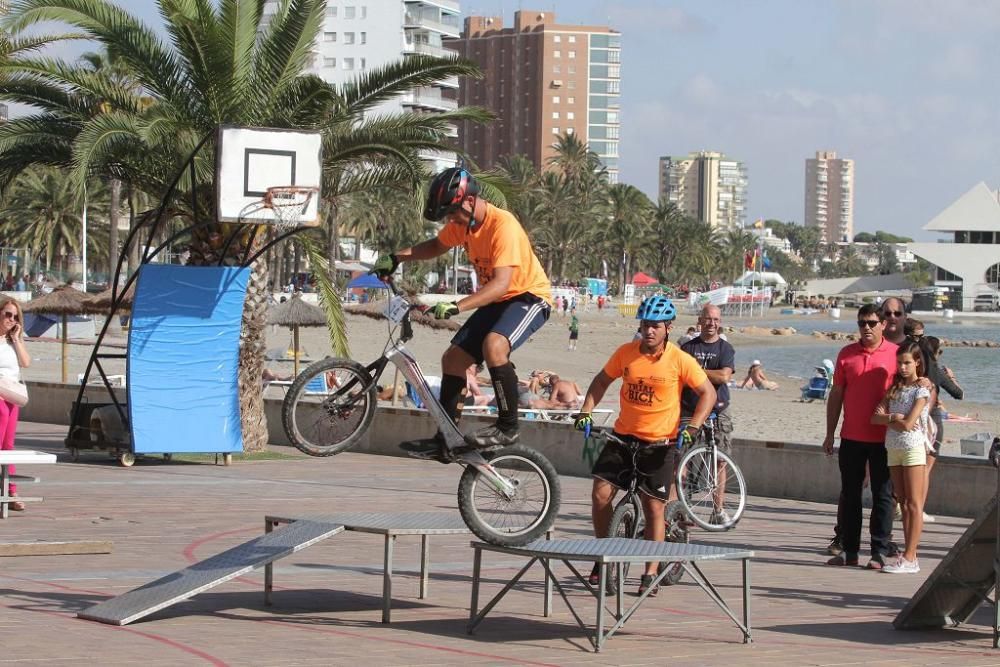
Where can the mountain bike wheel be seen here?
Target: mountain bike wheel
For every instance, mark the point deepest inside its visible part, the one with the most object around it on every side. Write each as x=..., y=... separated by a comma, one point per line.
x=626, y=521
x=513, y=522
x=329, y=406
x=676, y=531
x=713, y=496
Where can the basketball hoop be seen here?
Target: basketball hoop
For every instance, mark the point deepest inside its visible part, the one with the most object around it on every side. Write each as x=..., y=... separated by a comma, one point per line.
x=288, y=204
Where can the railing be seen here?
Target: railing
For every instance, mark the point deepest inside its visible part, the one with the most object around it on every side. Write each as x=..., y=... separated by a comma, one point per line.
x=430, y=50
x=411, y=20
x=429, y=100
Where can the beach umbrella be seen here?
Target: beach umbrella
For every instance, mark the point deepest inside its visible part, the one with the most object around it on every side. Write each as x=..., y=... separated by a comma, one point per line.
x=64, y=301
x=295, y=313
x=100, y=303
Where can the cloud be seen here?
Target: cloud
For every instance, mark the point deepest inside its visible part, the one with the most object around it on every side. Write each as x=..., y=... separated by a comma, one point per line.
x=958, y=61
x=633, y=19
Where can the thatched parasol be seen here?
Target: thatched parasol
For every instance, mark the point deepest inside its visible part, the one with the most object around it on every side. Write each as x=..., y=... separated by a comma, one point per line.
x=101, y=302
x=65, y=301
x=296, y=313
x=376, y=311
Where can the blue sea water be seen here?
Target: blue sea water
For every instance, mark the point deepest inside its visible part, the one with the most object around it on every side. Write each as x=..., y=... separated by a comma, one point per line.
x=976, y=369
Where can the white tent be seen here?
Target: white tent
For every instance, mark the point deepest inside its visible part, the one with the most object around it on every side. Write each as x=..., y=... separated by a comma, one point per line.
x=760, y=278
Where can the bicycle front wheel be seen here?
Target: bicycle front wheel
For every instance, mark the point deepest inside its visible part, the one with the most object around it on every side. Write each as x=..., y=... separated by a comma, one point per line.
x=711, y=490
x=626, y=521
x=517, y=520
x=329, y=407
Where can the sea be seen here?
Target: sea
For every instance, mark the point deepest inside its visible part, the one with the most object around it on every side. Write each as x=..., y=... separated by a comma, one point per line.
x=976, y=369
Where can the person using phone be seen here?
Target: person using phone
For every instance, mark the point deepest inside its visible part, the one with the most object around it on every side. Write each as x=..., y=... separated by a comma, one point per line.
x=13, y=357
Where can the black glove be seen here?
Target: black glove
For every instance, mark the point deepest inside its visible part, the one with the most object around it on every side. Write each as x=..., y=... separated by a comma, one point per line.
x=687, y=436
x=582, y=421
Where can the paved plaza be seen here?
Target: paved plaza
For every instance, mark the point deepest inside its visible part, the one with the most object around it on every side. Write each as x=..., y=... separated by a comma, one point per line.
x=163, y=517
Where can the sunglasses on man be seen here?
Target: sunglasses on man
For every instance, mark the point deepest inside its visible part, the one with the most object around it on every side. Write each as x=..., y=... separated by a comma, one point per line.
x=869, y=324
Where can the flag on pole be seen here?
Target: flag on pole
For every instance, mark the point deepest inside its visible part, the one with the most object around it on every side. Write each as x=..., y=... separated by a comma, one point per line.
x=759, y=224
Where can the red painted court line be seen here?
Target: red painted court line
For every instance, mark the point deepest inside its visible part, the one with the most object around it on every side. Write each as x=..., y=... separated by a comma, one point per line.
x=190, y=548
x=211, y=659
x=404, y=642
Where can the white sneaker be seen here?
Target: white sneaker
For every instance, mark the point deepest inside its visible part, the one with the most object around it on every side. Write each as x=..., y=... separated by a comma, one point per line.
x=902, y=566
x=928, y=518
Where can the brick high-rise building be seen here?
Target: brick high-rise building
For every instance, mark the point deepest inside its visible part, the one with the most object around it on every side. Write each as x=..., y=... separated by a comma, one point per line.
x=707, y=186
x=830, y=196
x=542, y=79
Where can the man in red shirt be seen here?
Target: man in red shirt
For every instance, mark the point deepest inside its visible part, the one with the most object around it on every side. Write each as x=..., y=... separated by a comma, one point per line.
x=861, y=377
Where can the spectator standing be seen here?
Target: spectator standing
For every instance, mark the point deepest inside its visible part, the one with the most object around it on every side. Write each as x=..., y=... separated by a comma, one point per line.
x=718, y=359
x=862, y=374
x=574, y=331
x=13, y=357
x=904, y=412
x=894, y=316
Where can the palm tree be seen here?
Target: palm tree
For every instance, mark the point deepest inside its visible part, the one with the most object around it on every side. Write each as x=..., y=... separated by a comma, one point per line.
x=226, y=63
x=735, y=244
x=561, y=228
x=43, y=211
x=629, y=212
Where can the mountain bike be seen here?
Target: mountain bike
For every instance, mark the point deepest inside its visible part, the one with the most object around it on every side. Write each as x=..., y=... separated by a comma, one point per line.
x=710, y=486
x=628, y=519
x=507, y=496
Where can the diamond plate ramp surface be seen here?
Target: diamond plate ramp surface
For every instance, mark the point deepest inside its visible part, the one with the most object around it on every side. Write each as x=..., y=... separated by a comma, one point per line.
x=619, y=549
x=961, y=581
x=391, y=523
x=218, y=569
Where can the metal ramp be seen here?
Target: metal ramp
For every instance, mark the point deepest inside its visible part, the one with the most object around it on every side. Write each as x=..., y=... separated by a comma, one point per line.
x=218, y=569
x=962, y=581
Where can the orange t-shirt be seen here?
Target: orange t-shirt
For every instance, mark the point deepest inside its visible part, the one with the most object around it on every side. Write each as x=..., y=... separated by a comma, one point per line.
x=499, y=240
x=651, y=389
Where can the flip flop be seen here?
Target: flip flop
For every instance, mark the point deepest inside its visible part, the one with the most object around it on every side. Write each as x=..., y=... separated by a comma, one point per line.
x=841, y=561
x=874, y=564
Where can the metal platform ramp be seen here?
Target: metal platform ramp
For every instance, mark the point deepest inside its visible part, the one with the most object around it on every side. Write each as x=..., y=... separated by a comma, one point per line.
x=962, y=580
x=218, y=569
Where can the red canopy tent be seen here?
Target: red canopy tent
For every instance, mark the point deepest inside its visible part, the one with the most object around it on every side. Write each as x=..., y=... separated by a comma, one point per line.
x=641, y=279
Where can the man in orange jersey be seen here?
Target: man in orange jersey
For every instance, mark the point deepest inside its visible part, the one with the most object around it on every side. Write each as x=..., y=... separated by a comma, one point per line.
x=653, y=373
x=513, y=301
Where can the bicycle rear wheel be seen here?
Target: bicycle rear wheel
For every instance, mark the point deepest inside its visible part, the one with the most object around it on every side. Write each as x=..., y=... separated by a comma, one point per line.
x=515, y=521
x=714, y=496
x=329, y=407
x=626, y=521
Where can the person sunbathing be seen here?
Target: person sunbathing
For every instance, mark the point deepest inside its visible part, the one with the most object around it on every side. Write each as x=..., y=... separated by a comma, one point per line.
x=756, y=376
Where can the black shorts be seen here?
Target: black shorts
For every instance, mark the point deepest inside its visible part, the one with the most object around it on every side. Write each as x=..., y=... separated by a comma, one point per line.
x=516, y=319
x=574, y=335
x=655, y=464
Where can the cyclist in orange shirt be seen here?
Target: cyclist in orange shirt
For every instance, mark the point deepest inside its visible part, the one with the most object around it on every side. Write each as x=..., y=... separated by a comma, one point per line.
x=513, y=301
x=653, y=372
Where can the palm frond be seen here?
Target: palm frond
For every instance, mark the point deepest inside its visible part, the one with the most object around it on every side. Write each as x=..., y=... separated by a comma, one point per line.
x=329, y=295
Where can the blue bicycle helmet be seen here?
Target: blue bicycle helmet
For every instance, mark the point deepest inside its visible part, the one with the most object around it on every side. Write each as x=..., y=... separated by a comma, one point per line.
x=656, y=308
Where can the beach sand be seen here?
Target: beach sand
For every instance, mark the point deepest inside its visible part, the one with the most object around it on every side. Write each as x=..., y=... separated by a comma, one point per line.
x=759, y=415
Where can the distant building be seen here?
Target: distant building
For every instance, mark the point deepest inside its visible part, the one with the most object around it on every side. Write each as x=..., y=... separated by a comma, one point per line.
x=356, y=38
x=869, y=252
x=543, y=79
x=968, y=263
x=707, y=186
x=830, y=196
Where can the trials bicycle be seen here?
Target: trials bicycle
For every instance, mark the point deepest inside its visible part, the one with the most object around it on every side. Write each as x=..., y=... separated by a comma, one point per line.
x=711, y=493
x=710, y=485
x=508, y=496
x=628, y=519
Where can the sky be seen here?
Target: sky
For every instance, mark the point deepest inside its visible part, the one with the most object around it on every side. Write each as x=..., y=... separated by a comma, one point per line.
x=902, y=87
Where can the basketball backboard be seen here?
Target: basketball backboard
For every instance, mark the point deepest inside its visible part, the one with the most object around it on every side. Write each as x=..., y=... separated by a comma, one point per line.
x=249, y=160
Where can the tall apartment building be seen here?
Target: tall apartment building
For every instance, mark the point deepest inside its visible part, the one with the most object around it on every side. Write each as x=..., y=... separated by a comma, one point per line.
x=357, y=36
x=830, y=196
x=542, y=79
x=707, y=186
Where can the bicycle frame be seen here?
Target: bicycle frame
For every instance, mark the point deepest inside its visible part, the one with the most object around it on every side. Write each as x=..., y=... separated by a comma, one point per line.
x=453, y=438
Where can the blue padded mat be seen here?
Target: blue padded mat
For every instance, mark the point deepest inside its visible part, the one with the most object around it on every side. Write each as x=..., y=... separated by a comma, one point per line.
x=183, y=359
